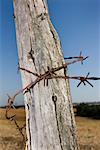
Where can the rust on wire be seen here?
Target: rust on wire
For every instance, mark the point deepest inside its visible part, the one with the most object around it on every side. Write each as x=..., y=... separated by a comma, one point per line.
x=78, y=57
x=10, y=104
x=49, y=74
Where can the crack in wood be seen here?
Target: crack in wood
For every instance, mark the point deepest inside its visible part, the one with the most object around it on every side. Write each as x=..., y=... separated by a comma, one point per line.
x=54, y=99
x=28, y=6
x=29, y=132
x=44, y=4
x=31, y=56
x=35, y=7
x=65, y=72
x=31, y=53
x=28, y=120
x=53, y=36
x=30, y=13
x=42, y=16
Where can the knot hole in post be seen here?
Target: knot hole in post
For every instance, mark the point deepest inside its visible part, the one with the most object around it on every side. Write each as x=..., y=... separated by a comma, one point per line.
x=54, y=98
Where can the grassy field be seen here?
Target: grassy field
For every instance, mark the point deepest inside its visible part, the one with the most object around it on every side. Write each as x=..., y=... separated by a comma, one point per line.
x=88, y=133
x=10, y=139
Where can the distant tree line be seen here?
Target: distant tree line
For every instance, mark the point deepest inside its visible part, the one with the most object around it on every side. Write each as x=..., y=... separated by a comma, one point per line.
x=86, y=110
x=16, y=106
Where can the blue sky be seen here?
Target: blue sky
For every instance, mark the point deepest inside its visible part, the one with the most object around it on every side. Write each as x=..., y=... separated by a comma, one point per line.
x=78, y=25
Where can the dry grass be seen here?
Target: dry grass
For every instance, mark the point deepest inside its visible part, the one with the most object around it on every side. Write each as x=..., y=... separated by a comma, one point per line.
x=10, y=139
x=88, y=133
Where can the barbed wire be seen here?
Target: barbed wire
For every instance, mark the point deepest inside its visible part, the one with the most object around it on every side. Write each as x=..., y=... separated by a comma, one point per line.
x=49, y=74
x=10, y=104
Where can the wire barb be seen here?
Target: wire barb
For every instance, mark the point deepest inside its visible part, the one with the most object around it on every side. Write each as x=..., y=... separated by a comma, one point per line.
x=84, y=79
x=10, y=104
x=49, y=74
x=80, y=57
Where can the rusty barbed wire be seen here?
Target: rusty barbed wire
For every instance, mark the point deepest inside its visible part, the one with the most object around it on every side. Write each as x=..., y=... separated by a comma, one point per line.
x=49, y=74
x=10, y=104
x=77, y=57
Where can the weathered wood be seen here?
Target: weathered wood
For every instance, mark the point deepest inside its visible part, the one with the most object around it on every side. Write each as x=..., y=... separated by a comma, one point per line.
x=49, y=115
